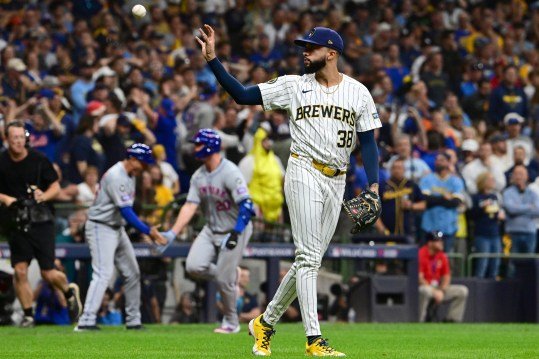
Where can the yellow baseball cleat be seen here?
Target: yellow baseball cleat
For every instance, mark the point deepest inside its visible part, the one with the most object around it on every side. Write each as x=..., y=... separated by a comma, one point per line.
x=321, y=348
x=262, y=335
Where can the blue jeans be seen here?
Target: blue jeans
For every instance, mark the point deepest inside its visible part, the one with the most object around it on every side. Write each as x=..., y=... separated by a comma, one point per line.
x=521, y=243
x=487, y=267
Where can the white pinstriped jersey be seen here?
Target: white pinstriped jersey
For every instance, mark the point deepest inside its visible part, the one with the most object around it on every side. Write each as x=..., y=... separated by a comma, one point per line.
x=324, y=121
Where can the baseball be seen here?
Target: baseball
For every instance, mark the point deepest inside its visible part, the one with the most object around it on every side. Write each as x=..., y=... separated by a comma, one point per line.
x=139, y=11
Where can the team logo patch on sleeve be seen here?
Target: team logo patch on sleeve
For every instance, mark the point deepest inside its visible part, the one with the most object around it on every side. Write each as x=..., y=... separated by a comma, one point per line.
x=241, y=190
x=375, y=115
x=125, y=197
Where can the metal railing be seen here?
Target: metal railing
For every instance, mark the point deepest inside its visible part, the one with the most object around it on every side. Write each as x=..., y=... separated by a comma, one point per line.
x=281, y=232
x=461, y=262
x=473, y=256
x=264, y=231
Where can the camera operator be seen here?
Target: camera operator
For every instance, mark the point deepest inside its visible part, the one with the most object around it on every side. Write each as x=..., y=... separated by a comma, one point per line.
x=27, y=183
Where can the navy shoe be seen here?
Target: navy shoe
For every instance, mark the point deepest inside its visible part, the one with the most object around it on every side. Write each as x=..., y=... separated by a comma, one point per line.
x=135, y=327
x=87, y=328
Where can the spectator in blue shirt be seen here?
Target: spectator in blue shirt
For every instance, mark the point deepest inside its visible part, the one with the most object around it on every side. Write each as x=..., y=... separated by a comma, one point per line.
x=109, y=314
x=51, y=305
x=521, y=206
x=164, y=128
x=80, y=89
x=264, y=55
x=444, y=192
x=45, y=129
x=415, y=168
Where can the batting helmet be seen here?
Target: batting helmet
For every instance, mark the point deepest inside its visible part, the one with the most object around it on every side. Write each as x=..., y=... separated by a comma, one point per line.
x=211, y=141
x=141, y=152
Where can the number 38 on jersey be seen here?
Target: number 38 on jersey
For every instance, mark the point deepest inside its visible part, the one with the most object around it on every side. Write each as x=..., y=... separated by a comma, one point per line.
x=345, y=138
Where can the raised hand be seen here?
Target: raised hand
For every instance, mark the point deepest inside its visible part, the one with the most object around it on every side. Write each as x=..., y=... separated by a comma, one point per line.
x=207, y=42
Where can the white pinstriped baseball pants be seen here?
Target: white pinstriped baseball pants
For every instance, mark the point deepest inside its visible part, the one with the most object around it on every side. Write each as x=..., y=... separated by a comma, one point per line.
x=314, y=201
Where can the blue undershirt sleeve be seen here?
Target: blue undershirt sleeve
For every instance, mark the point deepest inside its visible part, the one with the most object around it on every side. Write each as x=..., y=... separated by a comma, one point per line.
x=244, y=216
x=131, y=218
x=242, y=95
x=369, y=153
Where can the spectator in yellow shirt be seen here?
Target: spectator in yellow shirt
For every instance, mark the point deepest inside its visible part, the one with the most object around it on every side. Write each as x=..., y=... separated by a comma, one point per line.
x=163, y=194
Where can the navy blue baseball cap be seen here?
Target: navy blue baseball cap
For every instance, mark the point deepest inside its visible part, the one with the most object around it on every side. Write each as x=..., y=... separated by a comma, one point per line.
x=141, y=152
x=435, y=236
x=324, y=37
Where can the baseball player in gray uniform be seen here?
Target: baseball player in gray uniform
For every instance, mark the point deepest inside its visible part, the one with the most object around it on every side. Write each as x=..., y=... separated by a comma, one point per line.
x=108, y=241
x=328, y=112
x=220, y=191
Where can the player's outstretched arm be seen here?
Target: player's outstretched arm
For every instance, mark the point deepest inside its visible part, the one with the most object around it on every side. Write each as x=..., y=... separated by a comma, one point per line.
x=242, y=95
x=131, y=217
x=186, y=214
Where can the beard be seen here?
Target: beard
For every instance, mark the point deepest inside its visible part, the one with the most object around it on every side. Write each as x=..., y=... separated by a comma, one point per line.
x=439, y=169
x=314, y=66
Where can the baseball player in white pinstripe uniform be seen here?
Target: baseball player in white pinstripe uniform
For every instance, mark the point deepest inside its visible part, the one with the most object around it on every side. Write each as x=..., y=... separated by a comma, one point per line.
x=328, y=111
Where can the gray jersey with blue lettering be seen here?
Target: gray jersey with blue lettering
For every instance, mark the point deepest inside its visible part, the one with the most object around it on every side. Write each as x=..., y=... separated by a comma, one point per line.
x=218, y=194
x=116, y=190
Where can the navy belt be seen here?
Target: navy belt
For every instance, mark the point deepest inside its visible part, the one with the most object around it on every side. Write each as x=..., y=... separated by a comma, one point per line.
x=106, y=224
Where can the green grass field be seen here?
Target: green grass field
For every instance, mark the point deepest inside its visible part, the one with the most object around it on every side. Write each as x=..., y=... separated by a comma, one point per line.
x=384, y=341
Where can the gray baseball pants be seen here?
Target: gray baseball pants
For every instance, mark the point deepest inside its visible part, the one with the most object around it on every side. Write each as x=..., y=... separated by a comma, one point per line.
x=111, y=247
x=201, y=264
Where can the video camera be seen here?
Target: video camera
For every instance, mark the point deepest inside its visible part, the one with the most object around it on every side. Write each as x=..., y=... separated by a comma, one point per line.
x=26, y=211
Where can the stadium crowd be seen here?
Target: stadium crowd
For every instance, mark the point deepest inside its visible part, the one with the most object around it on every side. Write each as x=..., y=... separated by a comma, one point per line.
x=455, y=83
